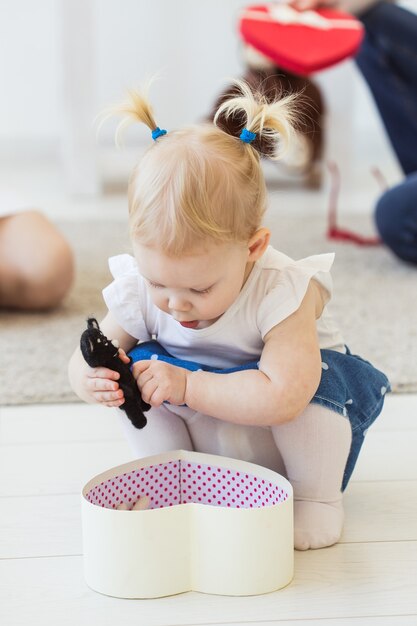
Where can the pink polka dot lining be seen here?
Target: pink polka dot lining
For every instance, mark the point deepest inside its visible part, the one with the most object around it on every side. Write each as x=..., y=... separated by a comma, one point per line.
x=182, y=482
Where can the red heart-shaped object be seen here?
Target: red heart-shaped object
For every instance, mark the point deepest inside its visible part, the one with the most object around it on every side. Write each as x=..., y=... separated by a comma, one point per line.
x=301, y=42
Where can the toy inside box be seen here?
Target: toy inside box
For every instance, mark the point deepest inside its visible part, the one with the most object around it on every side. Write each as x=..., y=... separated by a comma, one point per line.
x=213, y=524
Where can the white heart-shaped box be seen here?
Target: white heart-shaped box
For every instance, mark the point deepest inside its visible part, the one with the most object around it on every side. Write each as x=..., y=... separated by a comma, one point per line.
x=214, y=524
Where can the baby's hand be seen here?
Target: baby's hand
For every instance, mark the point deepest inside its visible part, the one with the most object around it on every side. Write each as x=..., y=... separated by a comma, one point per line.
x=140, y=505
x=161, y=382
x=102, y=386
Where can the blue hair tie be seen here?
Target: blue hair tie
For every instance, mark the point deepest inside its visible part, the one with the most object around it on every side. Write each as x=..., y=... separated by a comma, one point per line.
x=247, y=136
x=158, y=132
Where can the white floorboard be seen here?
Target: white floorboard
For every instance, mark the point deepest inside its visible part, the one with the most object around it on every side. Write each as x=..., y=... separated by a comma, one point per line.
x=81, y=422
x=388, y=456
x=56, y=468
x=380, y=511
x=405, y=620
x=369, y=578
x=52, y=423
x=39, y=526
x=399, y=413
x=327, y=583
x=60, y=467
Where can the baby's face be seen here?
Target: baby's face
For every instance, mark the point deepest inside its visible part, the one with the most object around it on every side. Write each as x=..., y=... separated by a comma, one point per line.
x=196, y=289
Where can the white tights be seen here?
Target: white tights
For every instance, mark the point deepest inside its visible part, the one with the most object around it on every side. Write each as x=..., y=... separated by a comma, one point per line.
x=311, y=451
x=315, y=447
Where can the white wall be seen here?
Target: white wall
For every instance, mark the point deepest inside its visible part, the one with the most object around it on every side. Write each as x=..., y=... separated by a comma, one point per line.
x=192, y=44
x=29, y=68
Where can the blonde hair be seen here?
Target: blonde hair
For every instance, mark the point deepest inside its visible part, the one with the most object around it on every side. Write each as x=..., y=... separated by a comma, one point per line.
x=201, y=182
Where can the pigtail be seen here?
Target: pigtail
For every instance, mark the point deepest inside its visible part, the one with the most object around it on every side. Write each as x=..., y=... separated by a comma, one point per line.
x=273, y=121
x=136, y=108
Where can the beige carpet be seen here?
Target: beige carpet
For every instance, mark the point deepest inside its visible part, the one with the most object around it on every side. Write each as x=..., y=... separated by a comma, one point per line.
x=375, y=303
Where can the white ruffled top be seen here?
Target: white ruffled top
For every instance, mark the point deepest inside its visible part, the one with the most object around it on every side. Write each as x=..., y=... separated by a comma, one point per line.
x=274, y=290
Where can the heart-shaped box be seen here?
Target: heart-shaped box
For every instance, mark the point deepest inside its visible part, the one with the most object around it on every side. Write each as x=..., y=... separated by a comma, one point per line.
x=301, y=42
x=214, y=524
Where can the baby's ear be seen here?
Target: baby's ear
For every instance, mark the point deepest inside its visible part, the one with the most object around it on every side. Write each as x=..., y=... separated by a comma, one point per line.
x=258, y=243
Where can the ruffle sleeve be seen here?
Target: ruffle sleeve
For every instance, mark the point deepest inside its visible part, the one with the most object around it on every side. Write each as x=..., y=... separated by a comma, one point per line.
x=124, y=297
x=288, y=290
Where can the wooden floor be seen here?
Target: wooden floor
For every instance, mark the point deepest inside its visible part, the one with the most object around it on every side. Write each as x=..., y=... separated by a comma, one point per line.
x=49, y=452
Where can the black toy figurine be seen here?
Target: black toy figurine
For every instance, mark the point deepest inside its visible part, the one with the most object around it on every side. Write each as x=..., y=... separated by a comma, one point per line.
x=98, y=351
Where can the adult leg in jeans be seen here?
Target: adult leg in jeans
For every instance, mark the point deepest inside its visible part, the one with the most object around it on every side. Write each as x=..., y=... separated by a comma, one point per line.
x=388, y=62
x=396, y=219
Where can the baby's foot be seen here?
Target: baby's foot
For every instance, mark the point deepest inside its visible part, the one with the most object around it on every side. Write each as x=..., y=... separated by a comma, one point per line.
x=317, y=524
